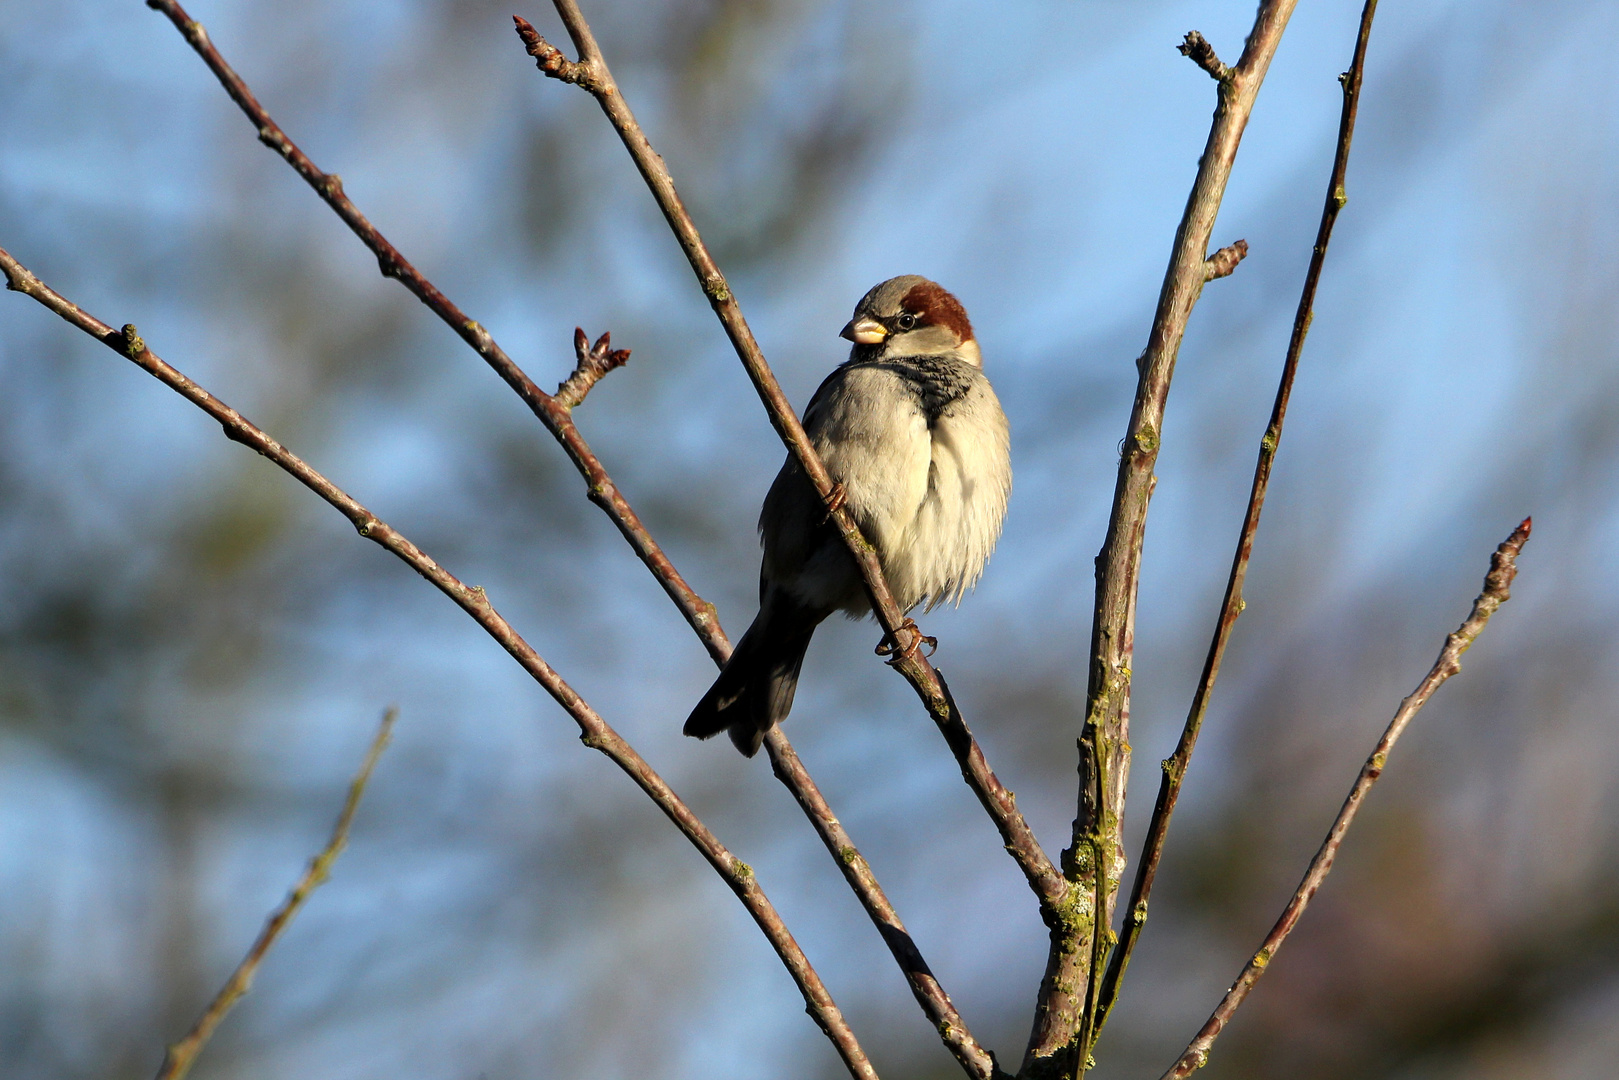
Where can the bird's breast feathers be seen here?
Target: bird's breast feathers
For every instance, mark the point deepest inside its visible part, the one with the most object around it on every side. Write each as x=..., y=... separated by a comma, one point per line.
x=922, y=450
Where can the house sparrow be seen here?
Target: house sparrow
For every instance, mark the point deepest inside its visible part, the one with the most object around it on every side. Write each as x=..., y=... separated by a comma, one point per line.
x=915, y=439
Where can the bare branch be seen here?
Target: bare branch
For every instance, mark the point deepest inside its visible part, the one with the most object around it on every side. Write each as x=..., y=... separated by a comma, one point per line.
x=1197, y=49
x=1018, y=838
x=936, y=1004
x=177, y=1062
x=1497, y=586
x=594, y=361
x=1094, y=861
x=1174, y=768
x=594, y=731
x=553, y=414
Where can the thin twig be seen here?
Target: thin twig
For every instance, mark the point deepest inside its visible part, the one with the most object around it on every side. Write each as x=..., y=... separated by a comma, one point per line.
x=177, y=1062
x=1224, y=262
x=595, y=732
x=1197, y=49
x=1174, y=768
x=592, y=362
x=592, y=74
x=1497, y=586
x=1094, y=861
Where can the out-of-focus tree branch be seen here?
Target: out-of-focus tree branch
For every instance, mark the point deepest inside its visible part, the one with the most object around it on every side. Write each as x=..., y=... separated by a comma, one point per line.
x=595, y=732
x=1497, y=589
x=1174, y=768
x=178, y=1060
x=591, y=73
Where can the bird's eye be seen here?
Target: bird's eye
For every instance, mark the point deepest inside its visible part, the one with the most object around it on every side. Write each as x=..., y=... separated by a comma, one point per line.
x=906, y=321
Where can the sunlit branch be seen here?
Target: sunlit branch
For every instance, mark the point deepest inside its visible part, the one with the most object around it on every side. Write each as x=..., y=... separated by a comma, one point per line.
x=552, y=413
x=1497, y=586
x=592, y=363
x=1094, y=860
x=594, y=731
x=591, y=73
x=1174, y=768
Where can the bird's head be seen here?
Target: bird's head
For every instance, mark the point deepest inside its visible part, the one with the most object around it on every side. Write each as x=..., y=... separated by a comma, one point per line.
x=911, y=316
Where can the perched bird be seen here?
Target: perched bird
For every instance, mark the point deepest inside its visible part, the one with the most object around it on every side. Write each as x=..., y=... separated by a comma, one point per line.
x=915, y=439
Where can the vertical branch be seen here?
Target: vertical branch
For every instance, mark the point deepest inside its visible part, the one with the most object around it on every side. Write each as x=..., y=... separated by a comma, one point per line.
x=594, y=731
x=591, y=73
x=1094, y=860
x=1174, y=768
x=1497, y=590
x=180, y=1056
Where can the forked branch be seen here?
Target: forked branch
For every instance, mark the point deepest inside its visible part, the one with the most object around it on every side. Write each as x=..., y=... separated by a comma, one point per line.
x=1497, y=589
x=550, y=412
x=1175, y=766
x=592, y=362
x=594, y=731
x=1018, y=838
x=1094, y=861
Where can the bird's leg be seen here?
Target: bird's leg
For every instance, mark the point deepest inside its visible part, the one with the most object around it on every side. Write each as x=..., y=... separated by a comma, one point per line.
x=890, y=645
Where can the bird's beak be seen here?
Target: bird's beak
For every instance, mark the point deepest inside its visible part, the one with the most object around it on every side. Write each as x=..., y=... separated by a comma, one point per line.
x=864, y=331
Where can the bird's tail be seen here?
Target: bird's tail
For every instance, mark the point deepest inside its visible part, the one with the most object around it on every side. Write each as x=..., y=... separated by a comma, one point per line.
x=754, y=691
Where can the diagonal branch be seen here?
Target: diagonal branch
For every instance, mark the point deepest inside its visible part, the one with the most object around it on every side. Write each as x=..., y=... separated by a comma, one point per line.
x=1497, y=586
x=180, y=1056
x=591, y=73
x=593, y=362
x=552, y=413
x=936, y=1004
x=1094, y=861
x=594, y=732
x=1174, y=768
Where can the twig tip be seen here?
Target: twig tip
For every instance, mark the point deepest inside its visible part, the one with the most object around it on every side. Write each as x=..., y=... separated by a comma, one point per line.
x=1196, y=48
x=550, y=60
x=1223, y=262
x=593, y=361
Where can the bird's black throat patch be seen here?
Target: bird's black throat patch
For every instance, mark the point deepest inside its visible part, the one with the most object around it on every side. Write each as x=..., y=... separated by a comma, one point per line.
x=937, y=381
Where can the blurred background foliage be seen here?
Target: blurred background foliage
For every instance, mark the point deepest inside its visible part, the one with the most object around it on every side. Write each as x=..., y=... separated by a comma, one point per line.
x=193, y=652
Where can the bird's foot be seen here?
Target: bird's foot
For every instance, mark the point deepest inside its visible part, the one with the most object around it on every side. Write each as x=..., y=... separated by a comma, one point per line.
x=835, y=501
x=891, y=645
